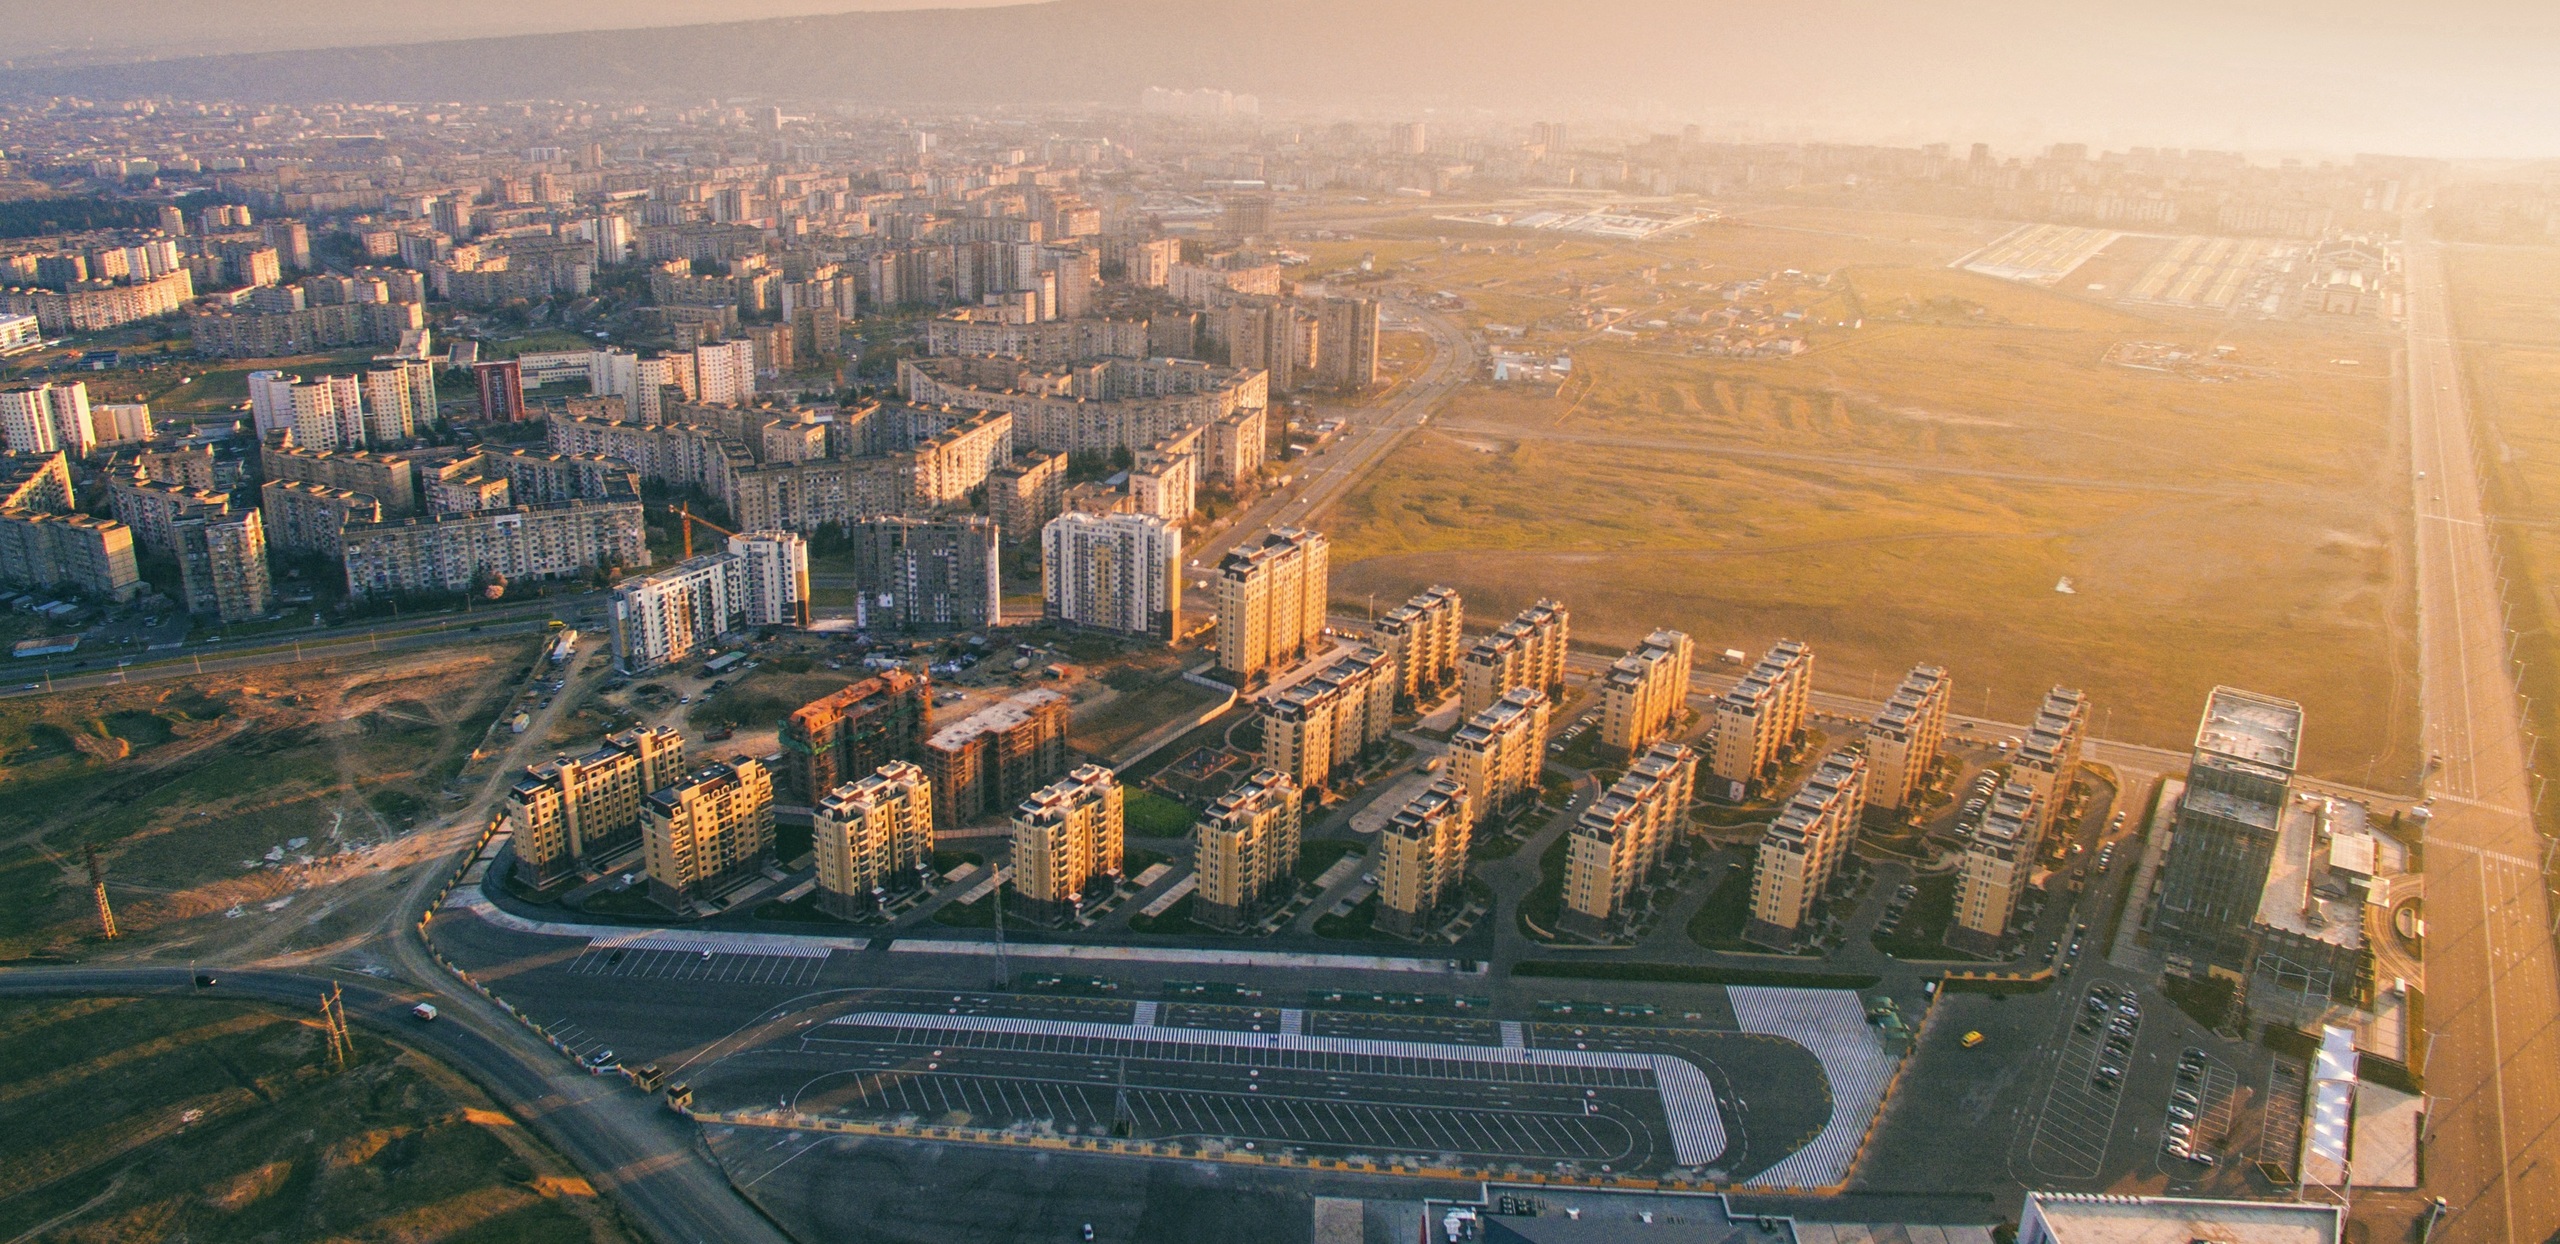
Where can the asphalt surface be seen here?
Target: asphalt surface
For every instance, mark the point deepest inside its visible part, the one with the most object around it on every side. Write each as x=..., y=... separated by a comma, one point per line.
x=2493, y=989
x=260, y=653
x=638, y=1153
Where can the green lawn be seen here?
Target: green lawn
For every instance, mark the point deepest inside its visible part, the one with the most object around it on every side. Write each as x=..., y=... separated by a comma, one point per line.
x=1923, y=931
x=1146, y=814
x=1719, y=923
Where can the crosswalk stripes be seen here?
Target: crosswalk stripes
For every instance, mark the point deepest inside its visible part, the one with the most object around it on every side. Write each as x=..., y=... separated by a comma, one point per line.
x=1831, y=1024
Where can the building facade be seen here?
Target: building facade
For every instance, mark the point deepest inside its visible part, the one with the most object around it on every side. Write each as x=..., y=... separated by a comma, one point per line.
x=1906, y=737
x=222, y=566
x=1066, y=837
x=1998, y=860
x=91, y=556
x=927, y=574
x=985, y=763
x=566, y=812
x=1644, y=693
x=1422, y=635
x=873, y=837
x=1757, y=720
x=2048, y=757
x=1245, y=851
x=1323, y=725
x=1271, y=603
x=1527, y=651
x=2223, y=844
x=1500, y=754
x=1624, y=835
x=705, y=834
x=1422, y=858
x=855, y=730
x=1803, y=849
x=1112, y=572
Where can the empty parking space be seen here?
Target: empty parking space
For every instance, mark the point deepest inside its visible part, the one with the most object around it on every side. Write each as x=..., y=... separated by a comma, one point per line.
x=692, y=965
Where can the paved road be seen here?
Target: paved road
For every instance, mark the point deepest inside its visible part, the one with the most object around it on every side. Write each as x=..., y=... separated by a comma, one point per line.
x=641, y=1155
x=2493, y=994
x=1320, y=479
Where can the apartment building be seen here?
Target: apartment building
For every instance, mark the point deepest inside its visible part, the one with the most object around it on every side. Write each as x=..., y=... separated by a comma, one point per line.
x=2047, y=760
x=1624, y=835
x=1066, y=837
x=1323, y=725
x=35, y=482
x=989, y=761
x=222, y=566
x=1422, y=636
x=91, y=556
x=761, y=579
x=1758, y=719
x=2214, y=877
x=1803, y=849
x=873, y=836
x=1245, y=851
x=1527, y=651
x=313, y=518
x=1024, y=494
x=1271, y=603
x=855, y=730
x=566, y=812
x=47, y=418
x=1998, y=860
x=390, y=480
x=460, y=552
x=1904, y=740
x=708, y=832
x=154, y=510
x=927, y=574
x=1644, y=692
x=1500, y=753
x=1422, y=858
x=1112, y=572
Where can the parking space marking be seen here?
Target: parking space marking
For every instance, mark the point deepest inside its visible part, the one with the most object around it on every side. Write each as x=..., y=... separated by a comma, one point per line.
x=648, y=964
x=2077, y=1122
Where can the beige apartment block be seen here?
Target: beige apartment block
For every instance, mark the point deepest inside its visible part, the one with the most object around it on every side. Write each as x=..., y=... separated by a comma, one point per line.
x=707, y=833
x=1422, y=635
x=1066, y=835
x=2047, y=760
x=983, y=764
x=1623, y=836
x=872, y=836
x=1757, y=720
x=1321, y=726
x=1527, y=651
x=1245, y=851
x=1803, y=849
x=1997, y=863
x=568, y=812
x=1906, y=736
x=1499, y=754
x=1271, y=604
x=1643, y=693
x=1422, y=857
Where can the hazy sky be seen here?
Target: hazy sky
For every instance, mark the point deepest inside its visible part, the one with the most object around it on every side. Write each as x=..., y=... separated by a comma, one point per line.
x=2460, y=78
x=57, y=31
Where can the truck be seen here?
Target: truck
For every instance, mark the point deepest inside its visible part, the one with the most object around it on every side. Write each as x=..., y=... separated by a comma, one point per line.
x=564, y=646
x=425, y=1011
x=520, y=723
x=1734, y=656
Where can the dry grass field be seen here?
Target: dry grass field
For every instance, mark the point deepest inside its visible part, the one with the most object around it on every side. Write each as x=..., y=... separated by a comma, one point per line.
x=2509, y=317
x=190, y=1119
x=1913, y=489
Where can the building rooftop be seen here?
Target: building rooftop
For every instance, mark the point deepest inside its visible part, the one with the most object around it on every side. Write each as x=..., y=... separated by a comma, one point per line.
x=995, y=718
x=2246, y=726
x=2079, y=1219
x=2294, y=900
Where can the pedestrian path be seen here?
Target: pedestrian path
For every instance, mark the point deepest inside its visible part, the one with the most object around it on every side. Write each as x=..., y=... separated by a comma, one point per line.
x=1832, y=1024
x=1512, y=1036
x=1144, y=1017
x=1293, y=1022
x=912, y=945
x=697, y=941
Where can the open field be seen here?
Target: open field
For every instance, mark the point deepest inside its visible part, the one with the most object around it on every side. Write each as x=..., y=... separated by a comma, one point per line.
x=200, y=1120
x=195, y=793
x=2510, y=327
x=1915, y=489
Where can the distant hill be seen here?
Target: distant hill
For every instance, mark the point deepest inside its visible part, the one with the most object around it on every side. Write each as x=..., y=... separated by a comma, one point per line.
x=2260, y=74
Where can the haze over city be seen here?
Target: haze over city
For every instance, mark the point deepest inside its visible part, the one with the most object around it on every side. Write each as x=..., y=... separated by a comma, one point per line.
x=1295, y=621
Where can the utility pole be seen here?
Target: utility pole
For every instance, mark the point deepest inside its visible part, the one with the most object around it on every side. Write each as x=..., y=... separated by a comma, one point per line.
x=333, y=1016
x=98, y=888
x=1004, y=963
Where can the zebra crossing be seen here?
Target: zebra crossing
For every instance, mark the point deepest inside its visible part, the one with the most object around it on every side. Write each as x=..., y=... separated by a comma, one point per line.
x=1832, y=1024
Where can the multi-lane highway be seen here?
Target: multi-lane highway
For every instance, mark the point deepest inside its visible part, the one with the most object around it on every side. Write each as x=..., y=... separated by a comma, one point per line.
x=2493, y=989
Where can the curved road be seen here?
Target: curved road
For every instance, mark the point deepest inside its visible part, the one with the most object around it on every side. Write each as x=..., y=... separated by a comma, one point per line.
x=643, y=1156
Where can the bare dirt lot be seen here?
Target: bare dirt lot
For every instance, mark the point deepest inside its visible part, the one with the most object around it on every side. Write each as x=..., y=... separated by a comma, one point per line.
x=229, y=792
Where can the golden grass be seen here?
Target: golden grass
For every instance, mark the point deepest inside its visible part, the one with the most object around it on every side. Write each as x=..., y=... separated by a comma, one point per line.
x=1912, y=491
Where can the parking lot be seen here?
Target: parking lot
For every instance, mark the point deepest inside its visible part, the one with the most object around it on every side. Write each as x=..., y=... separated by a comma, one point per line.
x=698, y=965
x=1335, y=1097
x=2077, y=1121
x=2198, y=1116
